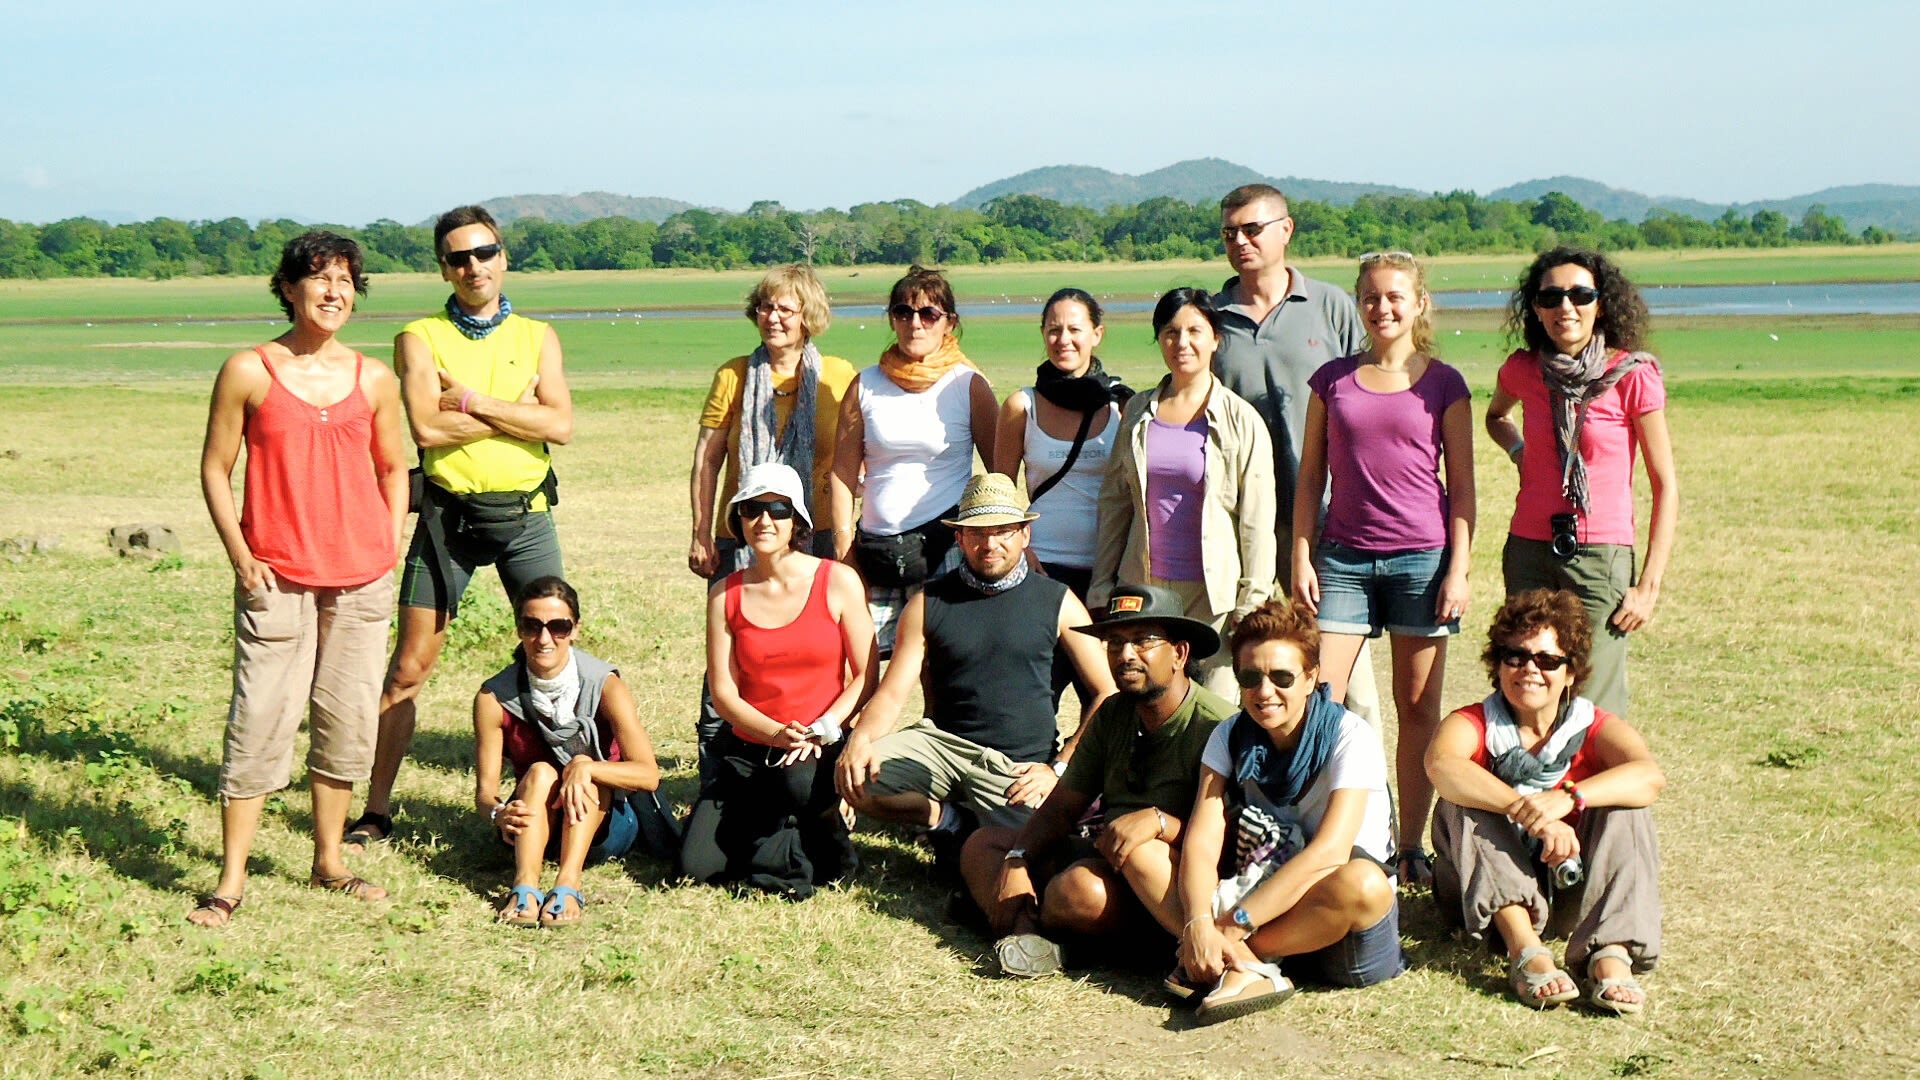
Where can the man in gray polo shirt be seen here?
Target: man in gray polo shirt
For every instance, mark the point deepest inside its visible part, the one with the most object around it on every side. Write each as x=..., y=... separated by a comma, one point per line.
x=1277, y=326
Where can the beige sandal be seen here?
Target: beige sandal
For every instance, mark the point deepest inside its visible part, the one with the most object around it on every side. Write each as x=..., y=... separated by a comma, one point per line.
x=1527, y=985
x=1597, y=987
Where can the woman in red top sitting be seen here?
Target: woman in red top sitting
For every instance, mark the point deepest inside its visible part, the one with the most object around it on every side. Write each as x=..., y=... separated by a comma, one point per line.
x=790, y=651
x=1543, y=823
x=567, y=723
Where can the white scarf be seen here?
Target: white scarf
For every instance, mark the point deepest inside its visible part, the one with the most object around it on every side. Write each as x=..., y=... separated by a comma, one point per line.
x=555, y=703
x=1531, y=772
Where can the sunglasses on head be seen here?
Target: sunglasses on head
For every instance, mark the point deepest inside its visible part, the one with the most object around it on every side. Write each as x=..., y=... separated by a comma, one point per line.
x=1252, y=229
x=1550, y=297
x=559, y=628
x=1519, y=658
x=777, y=509
x=458, y=259
x=1251, y=678
x=904, y=312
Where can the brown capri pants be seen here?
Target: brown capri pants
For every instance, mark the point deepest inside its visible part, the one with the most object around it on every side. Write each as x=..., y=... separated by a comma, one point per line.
x=294, y=645
x=1480, y=865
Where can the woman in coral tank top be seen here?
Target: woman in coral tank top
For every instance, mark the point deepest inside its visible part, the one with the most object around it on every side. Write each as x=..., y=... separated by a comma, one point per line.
x=790, y=652
x=313, y=553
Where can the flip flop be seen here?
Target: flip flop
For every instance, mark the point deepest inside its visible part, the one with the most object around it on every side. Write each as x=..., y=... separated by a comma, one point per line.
x=347, y=884
x=1597, y=988
x=554, y=911
x=1181, y=988
x=361, y=830
x=1267, y=989
x=1027, y=956
x=524, y=909
x=225, y=905
x=1526, y=985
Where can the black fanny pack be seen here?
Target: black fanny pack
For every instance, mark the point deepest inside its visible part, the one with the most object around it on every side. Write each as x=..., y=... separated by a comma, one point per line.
x=907, y=559
x=490, y=516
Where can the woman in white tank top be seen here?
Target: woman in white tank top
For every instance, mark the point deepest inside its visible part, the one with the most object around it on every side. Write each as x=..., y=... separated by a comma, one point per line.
x=909, y=427
x=1038, y=425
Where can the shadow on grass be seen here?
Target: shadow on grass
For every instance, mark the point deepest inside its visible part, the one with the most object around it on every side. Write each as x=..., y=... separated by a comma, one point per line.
x=130, y=842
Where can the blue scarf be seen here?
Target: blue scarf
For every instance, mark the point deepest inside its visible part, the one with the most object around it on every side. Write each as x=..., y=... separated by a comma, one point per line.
x=1284, y=777
x=477, y=328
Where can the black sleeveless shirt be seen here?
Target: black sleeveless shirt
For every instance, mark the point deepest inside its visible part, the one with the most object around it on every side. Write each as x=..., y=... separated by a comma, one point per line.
x=990, y=663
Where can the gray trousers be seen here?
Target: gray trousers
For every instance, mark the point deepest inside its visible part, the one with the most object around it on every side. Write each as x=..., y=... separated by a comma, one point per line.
x=1599, y=574
x=1481, y=864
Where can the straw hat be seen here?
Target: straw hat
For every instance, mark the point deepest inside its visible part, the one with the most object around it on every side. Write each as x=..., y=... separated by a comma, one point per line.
x=991, y=499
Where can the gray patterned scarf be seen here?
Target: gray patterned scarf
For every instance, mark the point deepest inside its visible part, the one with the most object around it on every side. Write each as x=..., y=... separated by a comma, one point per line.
x=1572, y=384
x=1006, y=581
x=760, y=439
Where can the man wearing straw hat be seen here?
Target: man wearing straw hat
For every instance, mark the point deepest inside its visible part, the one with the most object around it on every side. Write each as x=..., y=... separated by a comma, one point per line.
x=1140, y=757
x=988, y=749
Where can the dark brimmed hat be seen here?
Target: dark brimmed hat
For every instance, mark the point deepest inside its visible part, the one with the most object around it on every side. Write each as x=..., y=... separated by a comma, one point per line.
x=991, y=499
x=1131, y=605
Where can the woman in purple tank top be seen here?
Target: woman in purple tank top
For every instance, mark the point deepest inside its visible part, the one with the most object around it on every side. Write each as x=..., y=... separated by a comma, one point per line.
x=1393, y=549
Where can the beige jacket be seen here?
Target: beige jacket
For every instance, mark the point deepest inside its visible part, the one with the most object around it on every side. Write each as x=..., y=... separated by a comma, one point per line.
x=1237, y=544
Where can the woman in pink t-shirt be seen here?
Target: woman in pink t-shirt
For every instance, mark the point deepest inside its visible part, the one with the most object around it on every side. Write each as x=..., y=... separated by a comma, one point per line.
x=1393, y=550
x=1589, y=399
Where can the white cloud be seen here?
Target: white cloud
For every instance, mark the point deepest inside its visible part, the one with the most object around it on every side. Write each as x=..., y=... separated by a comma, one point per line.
x=36, y=177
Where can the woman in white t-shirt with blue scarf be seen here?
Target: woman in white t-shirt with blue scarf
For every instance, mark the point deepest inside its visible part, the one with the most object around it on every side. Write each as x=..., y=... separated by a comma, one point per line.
x=1293, y=789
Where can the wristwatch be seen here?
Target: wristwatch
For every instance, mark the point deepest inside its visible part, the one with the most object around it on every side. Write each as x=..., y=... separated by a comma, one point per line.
x=1059, y=768
x=1015, y=853
x=1242, y=920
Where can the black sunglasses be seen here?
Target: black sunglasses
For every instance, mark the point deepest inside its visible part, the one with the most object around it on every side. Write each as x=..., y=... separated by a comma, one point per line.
x=1250, y=678
x=458, y=259
x=1519, y=658
x=1253, y=229
x=904, y=312
x=560, y=628
x=1550, y=297
x=778, y=509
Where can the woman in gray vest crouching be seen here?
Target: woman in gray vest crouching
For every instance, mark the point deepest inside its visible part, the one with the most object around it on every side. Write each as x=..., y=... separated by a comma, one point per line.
x=568, y=725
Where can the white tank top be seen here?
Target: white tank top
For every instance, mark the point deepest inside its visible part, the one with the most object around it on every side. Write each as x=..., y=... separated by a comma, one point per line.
x=1065, y=532
x=919, y=449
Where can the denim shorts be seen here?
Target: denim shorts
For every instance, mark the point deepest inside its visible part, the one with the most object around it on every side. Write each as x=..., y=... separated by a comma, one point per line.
x=1362, y=958
x=1364, y=592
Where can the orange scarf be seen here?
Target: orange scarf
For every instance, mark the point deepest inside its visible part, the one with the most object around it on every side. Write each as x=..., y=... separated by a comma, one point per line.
x=916, y=376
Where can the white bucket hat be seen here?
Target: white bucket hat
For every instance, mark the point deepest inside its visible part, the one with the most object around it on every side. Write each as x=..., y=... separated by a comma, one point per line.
x=769, y=478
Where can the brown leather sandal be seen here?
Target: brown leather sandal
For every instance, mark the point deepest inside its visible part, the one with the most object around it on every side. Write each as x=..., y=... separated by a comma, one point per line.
x=347, y=884
x=224, y=905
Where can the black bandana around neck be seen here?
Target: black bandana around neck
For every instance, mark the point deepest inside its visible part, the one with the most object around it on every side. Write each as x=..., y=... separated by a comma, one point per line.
x=1080, y=393
x=477, y=328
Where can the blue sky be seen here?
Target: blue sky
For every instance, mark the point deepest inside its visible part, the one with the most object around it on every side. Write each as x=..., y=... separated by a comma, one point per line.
x=351, y=113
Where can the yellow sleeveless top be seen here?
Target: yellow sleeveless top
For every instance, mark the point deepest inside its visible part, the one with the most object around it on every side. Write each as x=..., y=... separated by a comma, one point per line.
x=499, y=365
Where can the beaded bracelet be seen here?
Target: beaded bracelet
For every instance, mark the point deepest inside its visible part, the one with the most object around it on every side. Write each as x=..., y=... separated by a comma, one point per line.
x=1579, y=803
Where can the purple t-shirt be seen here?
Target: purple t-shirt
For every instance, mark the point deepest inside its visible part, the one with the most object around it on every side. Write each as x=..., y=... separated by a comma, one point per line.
x=1176, y=492
x=1383, y=458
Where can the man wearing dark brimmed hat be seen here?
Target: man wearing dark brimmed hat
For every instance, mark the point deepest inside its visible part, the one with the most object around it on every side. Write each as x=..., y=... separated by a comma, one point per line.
x=988, y=749
x=1140, y=756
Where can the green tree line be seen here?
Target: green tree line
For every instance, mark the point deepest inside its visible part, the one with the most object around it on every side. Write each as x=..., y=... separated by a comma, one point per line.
x=1012, y=228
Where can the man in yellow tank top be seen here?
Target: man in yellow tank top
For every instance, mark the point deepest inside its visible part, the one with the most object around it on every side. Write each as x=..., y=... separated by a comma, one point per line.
x=485, y=397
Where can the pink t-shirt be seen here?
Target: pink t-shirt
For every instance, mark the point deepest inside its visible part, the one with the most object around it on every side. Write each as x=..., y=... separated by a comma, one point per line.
x=1383, y=457
x=1608, y=442
x=1176, y=496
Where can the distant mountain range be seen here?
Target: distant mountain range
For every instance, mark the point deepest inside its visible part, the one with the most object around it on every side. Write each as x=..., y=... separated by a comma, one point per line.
x=1191, y=181
x=586, y=206
x=1893, y=207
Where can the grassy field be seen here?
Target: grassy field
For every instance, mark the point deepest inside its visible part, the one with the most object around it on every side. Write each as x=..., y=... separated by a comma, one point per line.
x=1777, y=686
x=189, y=299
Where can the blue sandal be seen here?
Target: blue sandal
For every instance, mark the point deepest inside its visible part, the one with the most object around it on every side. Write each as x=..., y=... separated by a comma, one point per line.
x=554, y=911
x=523, y=908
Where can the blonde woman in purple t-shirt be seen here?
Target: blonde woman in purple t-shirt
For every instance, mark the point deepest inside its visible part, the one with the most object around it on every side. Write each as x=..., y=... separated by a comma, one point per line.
x=1393, y=549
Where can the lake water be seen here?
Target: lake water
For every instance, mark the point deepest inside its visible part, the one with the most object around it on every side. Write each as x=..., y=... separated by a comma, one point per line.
x=1879, y=298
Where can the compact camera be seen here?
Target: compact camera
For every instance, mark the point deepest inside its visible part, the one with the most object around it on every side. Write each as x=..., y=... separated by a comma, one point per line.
x=1566, y=535
x=1568, y=874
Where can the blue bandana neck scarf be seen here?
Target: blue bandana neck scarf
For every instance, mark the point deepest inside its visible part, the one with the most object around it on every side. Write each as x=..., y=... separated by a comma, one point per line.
x=477, y=328
x=1012, y=578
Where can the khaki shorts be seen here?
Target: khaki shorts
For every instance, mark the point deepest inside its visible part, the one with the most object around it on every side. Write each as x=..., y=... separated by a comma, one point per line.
x=924, y=760
x=295, y=646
